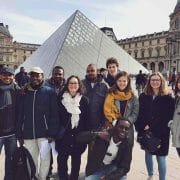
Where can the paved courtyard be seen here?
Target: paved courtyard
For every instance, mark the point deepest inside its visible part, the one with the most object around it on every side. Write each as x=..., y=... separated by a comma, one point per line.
x=138, y=170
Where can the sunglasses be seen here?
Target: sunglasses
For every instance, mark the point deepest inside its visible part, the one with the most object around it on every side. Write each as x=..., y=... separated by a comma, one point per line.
x=124, y=127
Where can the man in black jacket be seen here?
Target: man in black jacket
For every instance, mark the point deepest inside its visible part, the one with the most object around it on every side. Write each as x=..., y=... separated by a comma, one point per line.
x=8, y=111
x=95, y=90
x=110, y=156
x=38, y=120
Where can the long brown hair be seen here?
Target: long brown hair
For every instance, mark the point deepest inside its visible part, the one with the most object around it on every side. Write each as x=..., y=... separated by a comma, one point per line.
x=163, y=89
x=115, y=88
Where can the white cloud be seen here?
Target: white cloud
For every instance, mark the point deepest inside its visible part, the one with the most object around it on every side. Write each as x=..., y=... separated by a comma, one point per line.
x=127, y=17
x=27, y=29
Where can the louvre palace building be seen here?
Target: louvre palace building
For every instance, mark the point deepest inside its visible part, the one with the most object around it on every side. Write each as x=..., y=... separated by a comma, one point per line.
x=158, y=51
x=13, y=54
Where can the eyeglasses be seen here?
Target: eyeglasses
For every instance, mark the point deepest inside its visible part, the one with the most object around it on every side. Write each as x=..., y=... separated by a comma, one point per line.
x=75, y=83
x=155, y=80
x=124, y=127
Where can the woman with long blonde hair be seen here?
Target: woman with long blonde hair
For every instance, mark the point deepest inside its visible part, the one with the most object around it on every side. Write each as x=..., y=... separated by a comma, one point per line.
x=156, y=108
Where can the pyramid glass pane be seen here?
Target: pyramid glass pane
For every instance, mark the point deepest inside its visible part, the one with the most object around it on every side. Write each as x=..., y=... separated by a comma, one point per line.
x=77, y=43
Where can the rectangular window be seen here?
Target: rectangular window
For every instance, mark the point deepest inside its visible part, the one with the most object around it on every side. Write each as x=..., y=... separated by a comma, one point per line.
x=1, y=41
x=1, y=57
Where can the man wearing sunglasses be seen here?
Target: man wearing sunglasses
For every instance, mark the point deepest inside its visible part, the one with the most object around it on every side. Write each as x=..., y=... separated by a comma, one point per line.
x=109, y=158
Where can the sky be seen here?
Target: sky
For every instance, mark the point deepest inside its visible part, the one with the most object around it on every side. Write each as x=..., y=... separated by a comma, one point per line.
x=33, y=21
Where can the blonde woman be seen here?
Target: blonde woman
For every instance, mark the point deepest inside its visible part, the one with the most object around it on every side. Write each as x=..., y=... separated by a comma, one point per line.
x=156, y=108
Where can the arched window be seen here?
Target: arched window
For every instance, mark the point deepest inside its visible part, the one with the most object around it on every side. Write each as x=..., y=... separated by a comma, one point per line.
x=145, y=65
x=150, y=52
x=142, y=53
x=160, y=66
x=152, y=66
x=158, y=51
x=135, y=54
x=24, y=58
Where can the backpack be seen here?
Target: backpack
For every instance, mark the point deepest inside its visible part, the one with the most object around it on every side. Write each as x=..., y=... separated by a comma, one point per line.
x=23, y=165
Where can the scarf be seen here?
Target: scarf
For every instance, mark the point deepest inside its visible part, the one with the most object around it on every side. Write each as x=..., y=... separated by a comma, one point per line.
x=72, y=106
x=7, y=109
x=110, y=109
x=5, y=95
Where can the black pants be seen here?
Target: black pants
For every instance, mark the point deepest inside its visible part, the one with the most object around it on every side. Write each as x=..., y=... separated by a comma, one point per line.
x=63, y=167
x=51, y=164
x=178, y=151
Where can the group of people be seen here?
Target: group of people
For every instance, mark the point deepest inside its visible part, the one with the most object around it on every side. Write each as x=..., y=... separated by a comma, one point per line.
x=98, y=113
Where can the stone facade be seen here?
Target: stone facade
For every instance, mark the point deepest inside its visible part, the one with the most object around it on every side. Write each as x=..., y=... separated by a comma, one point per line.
x=149, y=50
x=21, y=51
x=13, y=54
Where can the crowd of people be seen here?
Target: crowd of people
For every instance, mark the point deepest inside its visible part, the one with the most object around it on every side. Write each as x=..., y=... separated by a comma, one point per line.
x=98, y=113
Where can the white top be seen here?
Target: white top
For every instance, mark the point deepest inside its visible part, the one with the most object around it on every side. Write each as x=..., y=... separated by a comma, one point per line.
x=111, y=152
x=92, y=85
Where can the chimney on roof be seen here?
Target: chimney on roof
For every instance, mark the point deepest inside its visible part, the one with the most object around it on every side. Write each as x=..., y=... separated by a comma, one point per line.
x=7, y=27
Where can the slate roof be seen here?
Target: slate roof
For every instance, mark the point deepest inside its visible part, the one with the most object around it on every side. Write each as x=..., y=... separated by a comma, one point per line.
x=4, y=30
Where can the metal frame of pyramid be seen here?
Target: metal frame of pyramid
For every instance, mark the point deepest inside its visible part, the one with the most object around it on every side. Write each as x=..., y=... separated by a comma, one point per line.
x=77, y=43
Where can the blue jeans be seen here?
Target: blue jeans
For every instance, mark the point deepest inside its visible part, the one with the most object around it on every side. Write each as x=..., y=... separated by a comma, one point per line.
x=105, y=170
x=10, y=145
x=161, y=160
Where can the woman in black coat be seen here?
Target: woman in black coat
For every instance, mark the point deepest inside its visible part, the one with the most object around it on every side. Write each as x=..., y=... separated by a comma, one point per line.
x=73, y=116
x=156, y=108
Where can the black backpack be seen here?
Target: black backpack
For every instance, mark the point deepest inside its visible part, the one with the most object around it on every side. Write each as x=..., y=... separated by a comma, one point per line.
x=23, y=165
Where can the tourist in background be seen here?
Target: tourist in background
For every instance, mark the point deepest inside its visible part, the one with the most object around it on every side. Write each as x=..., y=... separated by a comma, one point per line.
x=156, y=109
x=103, y=72
x=22, y=78
x=140, y=82
x=73, y=117
x=121, y=102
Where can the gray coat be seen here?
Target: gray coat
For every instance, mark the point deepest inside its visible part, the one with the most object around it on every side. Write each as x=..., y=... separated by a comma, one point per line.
x=131, y=113
x=175, y=128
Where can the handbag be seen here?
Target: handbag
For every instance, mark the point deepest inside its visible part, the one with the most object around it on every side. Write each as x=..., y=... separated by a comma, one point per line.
x=149, y=142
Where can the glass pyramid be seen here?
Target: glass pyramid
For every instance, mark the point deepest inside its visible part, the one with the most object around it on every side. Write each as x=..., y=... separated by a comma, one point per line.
x=77, y=43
